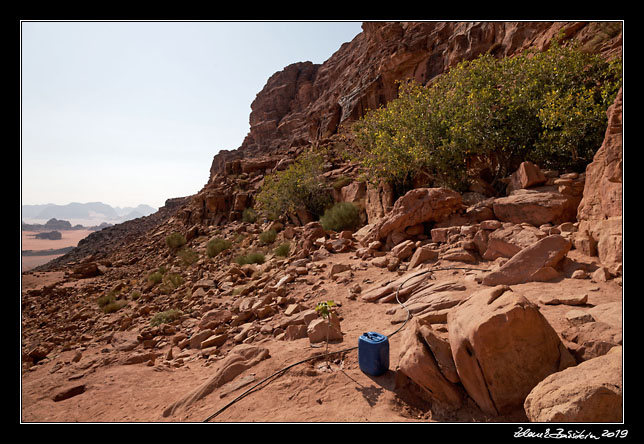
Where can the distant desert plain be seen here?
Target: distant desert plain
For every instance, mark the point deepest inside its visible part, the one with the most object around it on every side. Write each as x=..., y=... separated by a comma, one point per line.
x=70, y=238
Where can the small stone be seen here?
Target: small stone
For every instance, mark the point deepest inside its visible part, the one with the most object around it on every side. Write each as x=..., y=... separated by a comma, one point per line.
x=69, y=392
x=578, y=317
x=579, y=274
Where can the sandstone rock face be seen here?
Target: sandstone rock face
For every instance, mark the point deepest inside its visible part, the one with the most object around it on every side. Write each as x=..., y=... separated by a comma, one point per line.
x=307, y=103
x=416, y=206
x=503, y=347
x=600, y=211
x=589, y=392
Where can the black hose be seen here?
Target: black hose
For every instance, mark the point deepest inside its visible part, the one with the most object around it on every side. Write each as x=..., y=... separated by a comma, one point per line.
x=284, y=369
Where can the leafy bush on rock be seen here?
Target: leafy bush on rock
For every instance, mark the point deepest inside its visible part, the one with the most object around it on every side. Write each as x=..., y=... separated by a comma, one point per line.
x=299, y=186
x=548, y=107
x=268, y=237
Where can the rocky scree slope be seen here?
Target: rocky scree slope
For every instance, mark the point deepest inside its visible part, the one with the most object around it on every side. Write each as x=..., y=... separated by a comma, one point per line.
x=226, y=315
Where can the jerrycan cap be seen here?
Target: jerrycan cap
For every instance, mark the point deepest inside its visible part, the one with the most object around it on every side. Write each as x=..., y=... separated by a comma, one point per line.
x=373, y=336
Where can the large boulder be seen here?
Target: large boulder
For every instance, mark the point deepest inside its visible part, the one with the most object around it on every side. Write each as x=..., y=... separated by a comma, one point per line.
x=528, y=264
x=503, y=347
x=426, y=359
x=589, y=392
x=536, y=207
x=415, y=207
x=509, y=240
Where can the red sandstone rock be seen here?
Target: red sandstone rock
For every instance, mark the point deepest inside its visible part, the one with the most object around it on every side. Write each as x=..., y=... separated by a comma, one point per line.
x=535, y=207
x=527, y=175
x=416, y=206
x=426, y=360
x=503, y=347
x=600, y=210
x=547, y=252
x=589, y=392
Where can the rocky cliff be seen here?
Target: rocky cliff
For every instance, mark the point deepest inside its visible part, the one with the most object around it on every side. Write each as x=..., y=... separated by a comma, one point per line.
x=306, y=103
x=309, y=105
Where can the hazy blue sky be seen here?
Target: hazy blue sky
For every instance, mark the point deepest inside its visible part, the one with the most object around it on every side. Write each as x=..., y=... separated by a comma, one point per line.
x=133, y=112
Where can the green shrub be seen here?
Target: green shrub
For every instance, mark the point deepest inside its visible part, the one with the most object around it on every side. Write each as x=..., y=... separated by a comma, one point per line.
x=268, y=237
x=175, y=241
x=341, y=181
x=109, y=304
x=548, y=107
x=173, y=280
x=114, y=306
x=300, y=186
x=188, y=256
x=216, y=246
x=249, y=215
x=156, y=277
x=341, y=216
x=165, y=317
x=255, y=257
x=283, y=250
x=105, y=299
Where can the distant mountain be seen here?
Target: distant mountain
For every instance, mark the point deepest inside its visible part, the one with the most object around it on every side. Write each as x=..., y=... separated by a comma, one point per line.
x=85, y=211
x=138, y=211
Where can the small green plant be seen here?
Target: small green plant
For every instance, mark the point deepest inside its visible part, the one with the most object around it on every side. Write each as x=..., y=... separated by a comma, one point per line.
x=283, y=250
x=165, y=317
x=216, y=246
x=255, y=257
x=325, y=310
x=249, y=215
x=172, y=281
x=102, y=301
x=109, y=304
x=341, y=216
x=268, y=237
x=175, y=240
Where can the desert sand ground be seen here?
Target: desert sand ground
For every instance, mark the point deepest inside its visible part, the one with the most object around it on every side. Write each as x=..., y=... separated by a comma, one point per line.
x=311, y=392
x=29, y=242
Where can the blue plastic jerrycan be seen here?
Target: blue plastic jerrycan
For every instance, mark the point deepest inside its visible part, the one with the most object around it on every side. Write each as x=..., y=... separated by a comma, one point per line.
x=373, y=353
